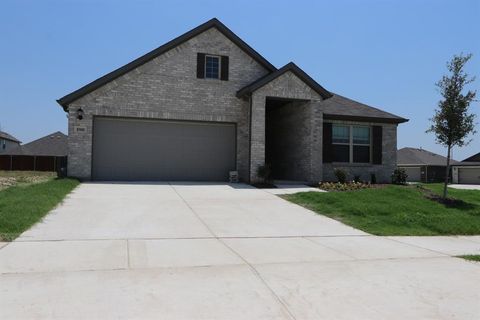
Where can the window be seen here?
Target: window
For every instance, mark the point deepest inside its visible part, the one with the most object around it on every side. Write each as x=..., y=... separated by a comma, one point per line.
x=4, y=144
x=212, y=67
x=351, y=143
x=341, y=143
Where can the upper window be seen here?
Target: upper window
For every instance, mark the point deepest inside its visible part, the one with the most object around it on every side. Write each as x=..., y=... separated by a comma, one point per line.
x=4, y=144
x=212, y=67
x=351, y=143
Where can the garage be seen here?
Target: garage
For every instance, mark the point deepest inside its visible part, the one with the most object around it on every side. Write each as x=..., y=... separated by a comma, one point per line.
x=126, y=149
x=414, y=174
x=469, y=175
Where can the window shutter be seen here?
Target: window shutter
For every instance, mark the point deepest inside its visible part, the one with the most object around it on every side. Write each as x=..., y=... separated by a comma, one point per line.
x=327, y=142
x=377, y=145
x=224, y=66
x=200, y=65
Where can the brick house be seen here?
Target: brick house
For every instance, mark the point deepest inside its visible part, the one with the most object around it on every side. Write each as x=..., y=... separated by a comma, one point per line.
x=206, y=103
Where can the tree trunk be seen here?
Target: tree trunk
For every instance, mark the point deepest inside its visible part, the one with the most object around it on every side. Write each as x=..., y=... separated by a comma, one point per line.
x=447, y=173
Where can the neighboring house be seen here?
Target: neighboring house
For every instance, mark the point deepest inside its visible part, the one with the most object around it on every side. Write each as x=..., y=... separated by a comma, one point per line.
x=206, y=103
x=467, y=171
x=48, y=153
x=422, y=165
x=7, y=142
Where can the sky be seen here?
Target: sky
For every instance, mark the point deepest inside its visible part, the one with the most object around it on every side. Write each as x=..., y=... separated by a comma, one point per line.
x=385, y=53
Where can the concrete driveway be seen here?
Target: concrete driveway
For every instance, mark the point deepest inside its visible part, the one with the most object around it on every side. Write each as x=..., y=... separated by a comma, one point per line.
x=206, y=251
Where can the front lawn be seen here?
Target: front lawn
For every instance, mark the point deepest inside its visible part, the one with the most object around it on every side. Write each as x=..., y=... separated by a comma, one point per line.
x=471, y=257
x=23, y=205
x=397, y=210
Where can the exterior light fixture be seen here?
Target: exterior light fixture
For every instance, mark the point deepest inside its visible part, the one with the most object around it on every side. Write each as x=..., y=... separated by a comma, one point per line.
x=79, y=114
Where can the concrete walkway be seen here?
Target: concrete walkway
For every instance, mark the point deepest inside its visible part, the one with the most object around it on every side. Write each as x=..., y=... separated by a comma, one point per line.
x=206, y=251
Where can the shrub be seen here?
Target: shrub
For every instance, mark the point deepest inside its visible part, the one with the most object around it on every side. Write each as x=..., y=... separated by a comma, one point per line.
x=356, y=179
x=265, y=172
x=337, y=186
x=373, y=178
x=341, y=175
x=399, y=176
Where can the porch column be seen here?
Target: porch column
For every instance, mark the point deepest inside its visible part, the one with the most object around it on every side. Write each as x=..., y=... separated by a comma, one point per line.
x=257, y=133
x=316, y=156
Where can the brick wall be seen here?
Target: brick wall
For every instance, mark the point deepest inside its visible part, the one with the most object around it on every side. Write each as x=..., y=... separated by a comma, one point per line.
x=382, y=172
x=167, y=88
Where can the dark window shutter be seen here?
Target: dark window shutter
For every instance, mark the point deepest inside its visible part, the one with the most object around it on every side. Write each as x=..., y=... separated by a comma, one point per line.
x=201, y=65
x=377, y=145
x=327, y=142
x=224, y=66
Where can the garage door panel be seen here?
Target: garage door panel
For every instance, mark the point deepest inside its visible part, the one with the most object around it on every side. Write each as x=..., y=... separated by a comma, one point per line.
x=469, y=175
x=127, y=149
x=413, y=174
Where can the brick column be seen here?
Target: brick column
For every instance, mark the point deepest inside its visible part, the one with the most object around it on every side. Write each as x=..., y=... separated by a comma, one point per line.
x=257, y=147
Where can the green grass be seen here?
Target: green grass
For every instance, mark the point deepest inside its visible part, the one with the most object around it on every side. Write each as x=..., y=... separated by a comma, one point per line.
x=397, y=210
x=23, y=206
x=471, y=257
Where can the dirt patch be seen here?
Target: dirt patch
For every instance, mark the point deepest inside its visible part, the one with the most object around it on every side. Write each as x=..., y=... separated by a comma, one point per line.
x=14, y=178
x=448, y=202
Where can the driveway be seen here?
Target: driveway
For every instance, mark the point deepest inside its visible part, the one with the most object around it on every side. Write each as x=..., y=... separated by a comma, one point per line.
x=465, y=186
x=209, y=251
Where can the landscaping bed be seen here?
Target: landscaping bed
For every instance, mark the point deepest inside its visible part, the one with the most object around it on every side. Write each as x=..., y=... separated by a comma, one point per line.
x=398, y=210
x=21, y=206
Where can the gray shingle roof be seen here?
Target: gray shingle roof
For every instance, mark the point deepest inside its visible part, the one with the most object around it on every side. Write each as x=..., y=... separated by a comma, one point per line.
x=6, y=136
x=414, y=156
x=54, y=144
x=474, y=158
x=338, y=107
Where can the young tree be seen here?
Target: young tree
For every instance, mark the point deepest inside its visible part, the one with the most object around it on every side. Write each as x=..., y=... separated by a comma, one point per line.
x=452, y=123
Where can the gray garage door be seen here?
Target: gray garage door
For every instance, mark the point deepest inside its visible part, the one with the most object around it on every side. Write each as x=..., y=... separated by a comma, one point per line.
x=153, y=150
x=413, y=174
x=469, y=175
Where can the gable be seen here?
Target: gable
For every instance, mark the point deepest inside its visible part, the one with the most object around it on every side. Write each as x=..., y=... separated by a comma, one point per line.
x=288, y=78
x=165, y=49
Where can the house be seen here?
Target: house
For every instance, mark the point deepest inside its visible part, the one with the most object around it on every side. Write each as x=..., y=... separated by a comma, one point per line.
x=423, y=165
x=7, y=142
x=206, y=103
x=467, y=171
x=48, y=153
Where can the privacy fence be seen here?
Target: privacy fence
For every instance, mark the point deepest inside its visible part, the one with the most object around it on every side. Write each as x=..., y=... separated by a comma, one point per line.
x=34, y=163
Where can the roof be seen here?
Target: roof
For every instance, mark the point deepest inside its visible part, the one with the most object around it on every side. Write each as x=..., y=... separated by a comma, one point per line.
x=474, y=158
x=6, y=136
x=213, y=23
x=340, y=108
x=467, y=164
x=414, y=156
x=54, y=144
x=292, y=67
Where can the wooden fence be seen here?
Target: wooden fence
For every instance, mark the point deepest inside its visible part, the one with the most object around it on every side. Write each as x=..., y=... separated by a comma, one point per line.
x=34, y=163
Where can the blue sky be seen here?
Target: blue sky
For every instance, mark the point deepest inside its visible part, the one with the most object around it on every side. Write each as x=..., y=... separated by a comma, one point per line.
x=384, y=53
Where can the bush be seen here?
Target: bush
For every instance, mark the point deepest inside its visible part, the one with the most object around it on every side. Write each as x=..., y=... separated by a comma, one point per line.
x=399, y=176
x=265, y=172
x=356, y=179
x=337, y=186
x=341, y=175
